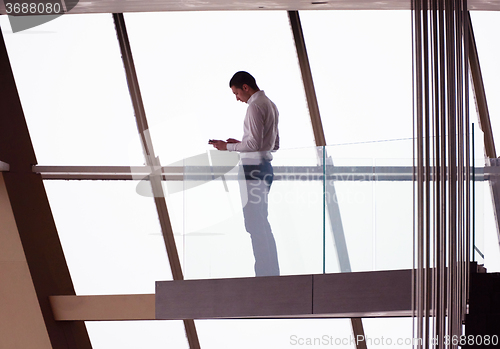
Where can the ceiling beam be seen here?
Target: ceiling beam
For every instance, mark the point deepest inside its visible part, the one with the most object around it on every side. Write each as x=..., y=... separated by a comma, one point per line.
x=113, y=6
x=104, y=307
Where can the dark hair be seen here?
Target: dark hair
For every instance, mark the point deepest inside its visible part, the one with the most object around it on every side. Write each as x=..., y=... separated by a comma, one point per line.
x=241, y=78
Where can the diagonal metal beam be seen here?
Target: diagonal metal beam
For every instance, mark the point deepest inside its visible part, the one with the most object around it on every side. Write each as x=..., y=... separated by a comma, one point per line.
x=480, y=94
x=305, y=70
x=319, y=136
x=32, y=254
x=153, y=161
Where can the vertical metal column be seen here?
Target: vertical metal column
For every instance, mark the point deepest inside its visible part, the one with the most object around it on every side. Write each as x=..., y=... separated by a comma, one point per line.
x=319, y=136
x=441, y=130
x=153, y=162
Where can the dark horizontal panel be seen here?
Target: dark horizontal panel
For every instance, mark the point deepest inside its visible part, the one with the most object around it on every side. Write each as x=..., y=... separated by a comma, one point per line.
x=228, y=298
x=365, y=294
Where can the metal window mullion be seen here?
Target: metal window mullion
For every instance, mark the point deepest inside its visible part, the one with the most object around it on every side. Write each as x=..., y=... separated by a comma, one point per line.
x=451, y=163
x=468, y=179
x=421, y=186
x=319, y=137
x=444, y=174
x=417, y=95
x=151, y=160
x=461, y=163
x=427, y=173
x=437, y=173
x=305, y=69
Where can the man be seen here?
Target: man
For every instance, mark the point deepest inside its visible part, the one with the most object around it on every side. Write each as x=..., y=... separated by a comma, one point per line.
x=260, y=137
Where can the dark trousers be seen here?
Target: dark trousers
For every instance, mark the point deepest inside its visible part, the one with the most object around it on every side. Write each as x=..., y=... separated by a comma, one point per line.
x=258, y=180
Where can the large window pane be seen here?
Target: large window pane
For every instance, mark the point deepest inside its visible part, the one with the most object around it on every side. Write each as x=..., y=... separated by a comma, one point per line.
x=137, y=334
x=272, y=333
x=110, y=235
x=185, y=65
x=303, y=333
x=71, y=81
x=361, y=65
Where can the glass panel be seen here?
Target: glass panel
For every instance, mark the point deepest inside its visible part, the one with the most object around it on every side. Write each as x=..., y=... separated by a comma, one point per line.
x=110, y=236
x=137, y=334
x=361, y=63
x=349, y=234
x=393, y=214
x=71, y=81
x=375, y=199
x=216, y=242
x=296, y=210
x=359, y=219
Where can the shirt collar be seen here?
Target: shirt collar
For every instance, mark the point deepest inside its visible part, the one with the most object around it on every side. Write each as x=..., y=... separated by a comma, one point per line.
x=252, y=97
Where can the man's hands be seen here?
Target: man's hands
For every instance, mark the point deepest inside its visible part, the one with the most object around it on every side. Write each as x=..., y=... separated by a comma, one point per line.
x=221, y=145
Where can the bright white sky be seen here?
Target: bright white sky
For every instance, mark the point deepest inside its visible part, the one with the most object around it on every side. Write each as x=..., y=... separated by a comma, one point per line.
x=73, y=89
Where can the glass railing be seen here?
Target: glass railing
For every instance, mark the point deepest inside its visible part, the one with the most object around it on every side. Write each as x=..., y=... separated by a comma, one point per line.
x=325, y=212
x=328, y=210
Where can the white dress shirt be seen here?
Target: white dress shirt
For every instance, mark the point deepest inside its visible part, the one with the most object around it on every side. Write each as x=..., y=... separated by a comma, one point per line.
x=260, y=130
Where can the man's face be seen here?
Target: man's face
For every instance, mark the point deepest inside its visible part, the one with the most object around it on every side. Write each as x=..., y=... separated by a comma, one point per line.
x=242, y=94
